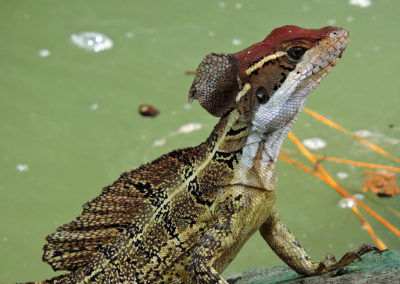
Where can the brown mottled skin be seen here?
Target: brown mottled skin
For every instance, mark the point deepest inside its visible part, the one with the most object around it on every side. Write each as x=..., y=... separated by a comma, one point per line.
x=183, y=217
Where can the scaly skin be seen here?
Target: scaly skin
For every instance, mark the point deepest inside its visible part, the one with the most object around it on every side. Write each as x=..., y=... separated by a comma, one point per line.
x=183, y=217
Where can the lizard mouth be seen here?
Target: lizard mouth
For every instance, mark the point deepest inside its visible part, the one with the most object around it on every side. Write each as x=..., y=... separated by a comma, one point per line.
x=320, y=62
x=324, y=57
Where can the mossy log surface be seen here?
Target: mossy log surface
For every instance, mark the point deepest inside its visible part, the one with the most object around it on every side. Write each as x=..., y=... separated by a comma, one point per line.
x=374, y=268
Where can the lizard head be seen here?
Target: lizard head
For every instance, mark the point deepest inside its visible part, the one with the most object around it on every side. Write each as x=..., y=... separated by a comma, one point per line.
x=269, y=81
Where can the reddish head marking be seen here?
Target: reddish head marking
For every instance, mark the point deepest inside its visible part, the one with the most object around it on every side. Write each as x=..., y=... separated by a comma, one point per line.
x=275, y=39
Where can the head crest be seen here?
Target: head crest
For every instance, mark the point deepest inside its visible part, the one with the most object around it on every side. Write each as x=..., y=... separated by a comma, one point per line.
x=215, y=84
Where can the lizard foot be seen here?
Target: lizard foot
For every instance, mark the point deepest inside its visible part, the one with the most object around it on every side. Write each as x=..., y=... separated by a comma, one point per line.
x=330, y=263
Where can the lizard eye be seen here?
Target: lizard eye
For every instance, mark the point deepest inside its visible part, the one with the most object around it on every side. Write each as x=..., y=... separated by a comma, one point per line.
x=296, y=52
x=262, y=95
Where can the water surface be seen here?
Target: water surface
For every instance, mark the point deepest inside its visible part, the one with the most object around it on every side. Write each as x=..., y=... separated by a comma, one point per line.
x=69, y=121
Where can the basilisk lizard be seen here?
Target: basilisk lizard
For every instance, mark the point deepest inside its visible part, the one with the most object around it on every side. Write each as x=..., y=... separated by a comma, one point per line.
x=183, y=217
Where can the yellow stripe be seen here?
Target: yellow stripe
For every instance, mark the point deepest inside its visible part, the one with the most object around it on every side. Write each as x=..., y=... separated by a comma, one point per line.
x=242, y=92
x=260, y=63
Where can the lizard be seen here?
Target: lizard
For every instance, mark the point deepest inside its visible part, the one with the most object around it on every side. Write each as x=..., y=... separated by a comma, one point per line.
x=183, y=217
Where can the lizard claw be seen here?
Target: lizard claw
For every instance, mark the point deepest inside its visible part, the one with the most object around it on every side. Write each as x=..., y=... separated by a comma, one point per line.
x=330, y=264
x=330, y=257
x=358, y=253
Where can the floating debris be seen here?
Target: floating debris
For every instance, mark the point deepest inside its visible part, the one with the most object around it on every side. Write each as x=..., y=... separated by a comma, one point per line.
x=190, y=72
x=349, y=19
x=92, y=41
x=314, y=143
x=342, y=175
x=44, y=52
x=236, y=41
x=148, y=110
x=211, y=34
x=187, y=106
x=347, y=203
x=361, y=3
x=22, y=167
x=221, y=4
x=382, y=184
x=94, y=106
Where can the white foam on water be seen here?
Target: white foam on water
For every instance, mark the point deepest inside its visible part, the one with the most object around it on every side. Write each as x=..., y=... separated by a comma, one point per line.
x=238, y=6
x=346, y=203
x=236, y=41
x=331, y=22
x=22, y=167
x=92, y=41
x=159, y=142
x=184, y=129
x=361, y=3
x=342, y=175
x=190, y=127
x=314, y=143
x=44, y=52
x=94, y=106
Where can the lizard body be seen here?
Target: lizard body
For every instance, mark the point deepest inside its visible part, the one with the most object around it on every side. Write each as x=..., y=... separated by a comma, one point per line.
x=183, y=217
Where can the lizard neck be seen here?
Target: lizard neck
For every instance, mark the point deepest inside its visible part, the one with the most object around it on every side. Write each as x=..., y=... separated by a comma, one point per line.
x=229, y=135
x=250, y=155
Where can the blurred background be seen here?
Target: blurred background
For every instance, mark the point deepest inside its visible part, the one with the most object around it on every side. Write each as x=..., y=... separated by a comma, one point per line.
x=70, y=125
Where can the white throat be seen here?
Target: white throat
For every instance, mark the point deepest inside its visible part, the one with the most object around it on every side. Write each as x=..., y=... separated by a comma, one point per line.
x=273, y=121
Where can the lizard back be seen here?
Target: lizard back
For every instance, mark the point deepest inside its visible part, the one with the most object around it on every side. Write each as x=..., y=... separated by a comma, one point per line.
x=154, y=213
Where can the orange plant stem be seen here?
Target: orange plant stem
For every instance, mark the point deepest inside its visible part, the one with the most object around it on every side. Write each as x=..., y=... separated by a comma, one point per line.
x=355, y=136
x=366, y=225
x=299, y=165
x=335, y=185
x=381, y=245
x=344, y=161
x=357, y=163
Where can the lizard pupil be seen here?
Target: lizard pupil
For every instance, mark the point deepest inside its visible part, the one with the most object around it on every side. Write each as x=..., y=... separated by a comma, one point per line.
x=262, y=95
x=295, y=53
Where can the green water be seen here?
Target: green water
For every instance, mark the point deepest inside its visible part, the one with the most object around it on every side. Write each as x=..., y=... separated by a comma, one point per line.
x=68, y=151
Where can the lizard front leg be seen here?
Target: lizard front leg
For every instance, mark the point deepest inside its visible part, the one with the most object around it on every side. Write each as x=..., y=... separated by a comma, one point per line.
x=285, y=245
x=211, y=246
x=234, y=215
